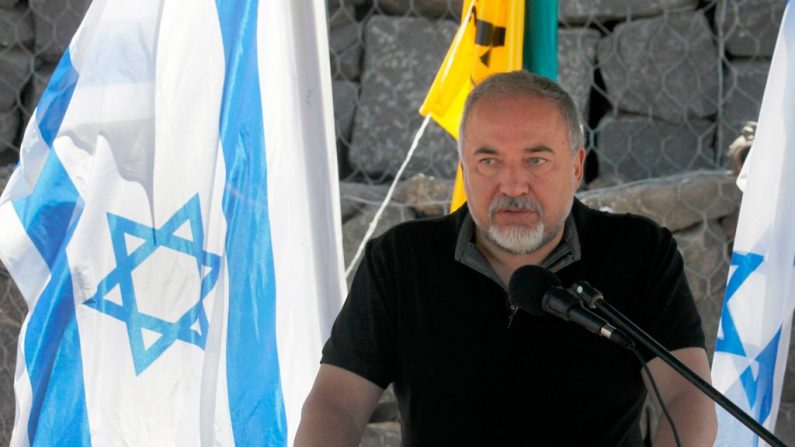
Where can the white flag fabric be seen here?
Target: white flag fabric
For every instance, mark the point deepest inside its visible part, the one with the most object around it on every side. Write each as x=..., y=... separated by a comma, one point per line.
x=174, y=227
x=753, y=337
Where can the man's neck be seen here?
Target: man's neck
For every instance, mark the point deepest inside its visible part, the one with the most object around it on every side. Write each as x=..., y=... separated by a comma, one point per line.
x=505, y=263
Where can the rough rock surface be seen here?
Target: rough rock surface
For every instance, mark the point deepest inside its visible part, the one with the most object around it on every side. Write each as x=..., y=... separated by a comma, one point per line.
x=16, y=26
x=9, y=123
x=750, y=27
x=35, y=88
x=12, y=312
x=355, y=197
x=382, y=434
x=345, y=97
x=576, y=58
x=426, y=8
x=401, y=59
x=785, y=425
x=16, y=65
x=428, y=196
x=704, y=250
x=55, y=23
x=346, y=46
x=387, y=408
x=354, y=229
x=743, y=88
x=583, y=11
x=638, y=148
x=5, y=174
x=665, y=67
x=788, y=393
x=676, y=202
x=340, y=15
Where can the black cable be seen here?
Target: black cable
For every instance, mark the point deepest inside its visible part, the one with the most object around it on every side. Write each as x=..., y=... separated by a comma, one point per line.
x=657, y=393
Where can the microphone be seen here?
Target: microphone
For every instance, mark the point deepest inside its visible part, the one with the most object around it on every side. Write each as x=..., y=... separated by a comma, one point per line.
x=536, y=291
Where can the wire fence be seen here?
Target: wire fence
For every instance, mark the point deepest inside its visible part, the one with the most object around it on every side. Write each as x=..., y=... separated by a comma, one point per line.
x=664, y=86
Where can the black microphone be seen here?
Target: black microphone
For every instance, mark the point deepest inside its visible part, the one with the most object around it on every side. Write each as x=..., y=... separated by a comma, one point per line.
x=536, y=290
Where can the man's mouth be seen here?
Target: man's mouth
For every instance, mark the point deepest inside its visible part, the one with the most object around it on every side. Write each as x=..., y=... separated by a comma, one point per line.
x=513, y=215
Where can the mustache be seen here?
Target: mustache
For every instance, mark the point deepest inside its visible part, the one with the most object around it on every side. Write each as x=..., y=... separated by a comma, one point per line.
x=514, y=203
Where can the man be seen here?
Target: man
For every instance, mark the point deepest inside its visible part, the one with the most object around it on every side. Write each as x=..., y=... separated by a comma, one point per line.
x=429, y=310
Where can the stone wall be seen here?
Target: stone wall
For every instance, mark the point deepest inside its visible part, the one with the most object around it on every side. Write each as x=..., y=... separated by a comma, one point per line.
x=663, y=86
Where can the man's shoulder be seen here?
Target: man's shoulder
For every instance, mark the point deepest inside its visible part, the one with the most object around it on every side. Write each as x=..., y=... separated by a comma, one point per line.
x=422, y=233
x=606, y=225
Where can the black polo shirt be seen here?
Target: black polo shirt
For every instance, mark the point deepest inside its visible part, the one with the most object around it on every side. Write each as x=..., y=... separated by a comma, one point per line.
x=437, y=328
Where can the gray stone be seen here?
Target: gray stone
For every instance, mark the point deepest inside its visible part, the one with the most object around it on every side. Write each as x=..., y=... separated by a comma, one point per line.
x=7, y=4
x=16, y=26
x=709, y=308
x=341, y=15
x=8, y=339
x=346, y=46
x=387, y=409
x=665, y=67
x=39, y=80
x=576, y=57
x=5, y=174
x=636, y=148
x=9, y=124
x=743, y=88
x=355, y=197
x=382, y=434
x=729, y=224
x=427, y=195
x=749, y=27
x=12, y=306
x=345, y=98
x=333, y=4
x=354, y=229
x=584, y=11
x=704, y=250
x=785, y=424
x=676, y=202
x=788, y=392
x=427, y=8
x=12, y=312
x=401, y=60
x=16, y=65
x=55, y=23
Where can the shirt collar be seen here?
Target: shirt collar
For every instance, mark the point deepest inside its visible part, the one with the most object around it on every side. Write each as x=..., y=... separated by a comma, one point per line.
x=467, y=252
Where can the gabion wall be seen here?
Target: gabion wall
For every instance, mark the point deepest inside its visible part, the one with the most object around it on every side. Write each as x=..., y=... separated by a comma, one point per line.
x=663, y=86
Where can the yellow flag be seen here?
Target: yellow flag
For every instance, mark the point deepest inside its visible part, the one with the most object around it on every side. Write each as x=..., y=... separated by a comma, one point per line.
x=488, y=41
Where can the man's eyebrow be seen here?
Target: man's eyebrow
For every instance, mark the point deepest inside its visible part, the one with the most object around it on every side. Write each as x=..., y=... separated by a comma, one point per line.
x=485, y=150
x=539, y=148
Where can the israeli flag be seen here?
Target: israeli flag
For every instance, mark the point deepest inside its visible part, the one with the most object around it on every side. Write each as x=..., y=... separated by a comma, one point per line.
x=174, y=227
x=753, y=338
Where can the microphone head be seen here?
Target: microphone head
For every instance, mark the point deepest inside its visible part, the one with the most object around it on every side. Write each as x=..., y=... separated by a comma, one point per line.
x=527, y=287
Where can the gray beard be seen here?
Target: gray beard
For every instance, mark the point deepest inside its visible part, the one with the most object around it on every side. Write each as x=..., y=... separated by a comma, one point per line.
x=523, y=240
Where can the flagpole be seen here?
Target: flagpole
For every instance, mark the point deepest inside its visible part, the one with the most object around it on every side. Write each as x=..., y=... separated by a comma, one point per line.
x=540, y=54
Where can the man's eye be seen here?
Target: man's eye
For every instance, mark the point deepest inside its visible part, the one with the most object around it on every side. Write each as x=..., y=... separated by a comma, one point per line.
x=537, y=161
x=488, y=161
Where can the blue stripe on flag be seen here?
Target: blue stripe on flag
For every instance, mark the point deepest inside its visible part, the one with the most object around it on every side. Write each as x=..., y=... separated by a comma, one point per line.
x=763, y=383
x=746, y=265
x=255, y=397
x=52, y=346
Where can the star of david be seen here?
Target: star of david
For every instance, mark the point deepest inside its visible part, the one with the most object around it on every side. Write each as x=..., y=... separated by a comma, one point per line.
x=189, y=328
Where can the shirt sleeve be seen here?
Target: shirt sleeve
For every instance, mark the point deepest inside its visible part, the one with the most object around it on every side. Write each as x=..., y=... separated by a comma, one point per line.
x=363, y=337
x=672, y=316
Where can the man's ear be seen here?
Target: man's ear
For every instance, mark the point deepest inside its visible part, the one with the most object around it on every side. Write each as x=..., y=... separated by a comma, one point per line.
x=579, y=165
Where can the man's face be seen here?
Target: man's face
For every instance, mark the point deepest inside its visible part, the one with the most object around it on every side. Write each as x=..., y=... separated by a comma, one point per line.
x=519, y=173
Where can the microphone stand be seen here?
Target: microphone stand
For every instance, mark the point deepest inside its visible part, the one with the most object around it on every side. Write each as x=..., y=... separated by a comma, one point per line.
x=595, y=300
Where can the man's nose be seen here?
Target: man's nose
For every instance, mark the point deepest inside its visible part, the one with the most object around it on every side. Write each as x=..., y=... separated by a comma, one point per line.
x=514, y=181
